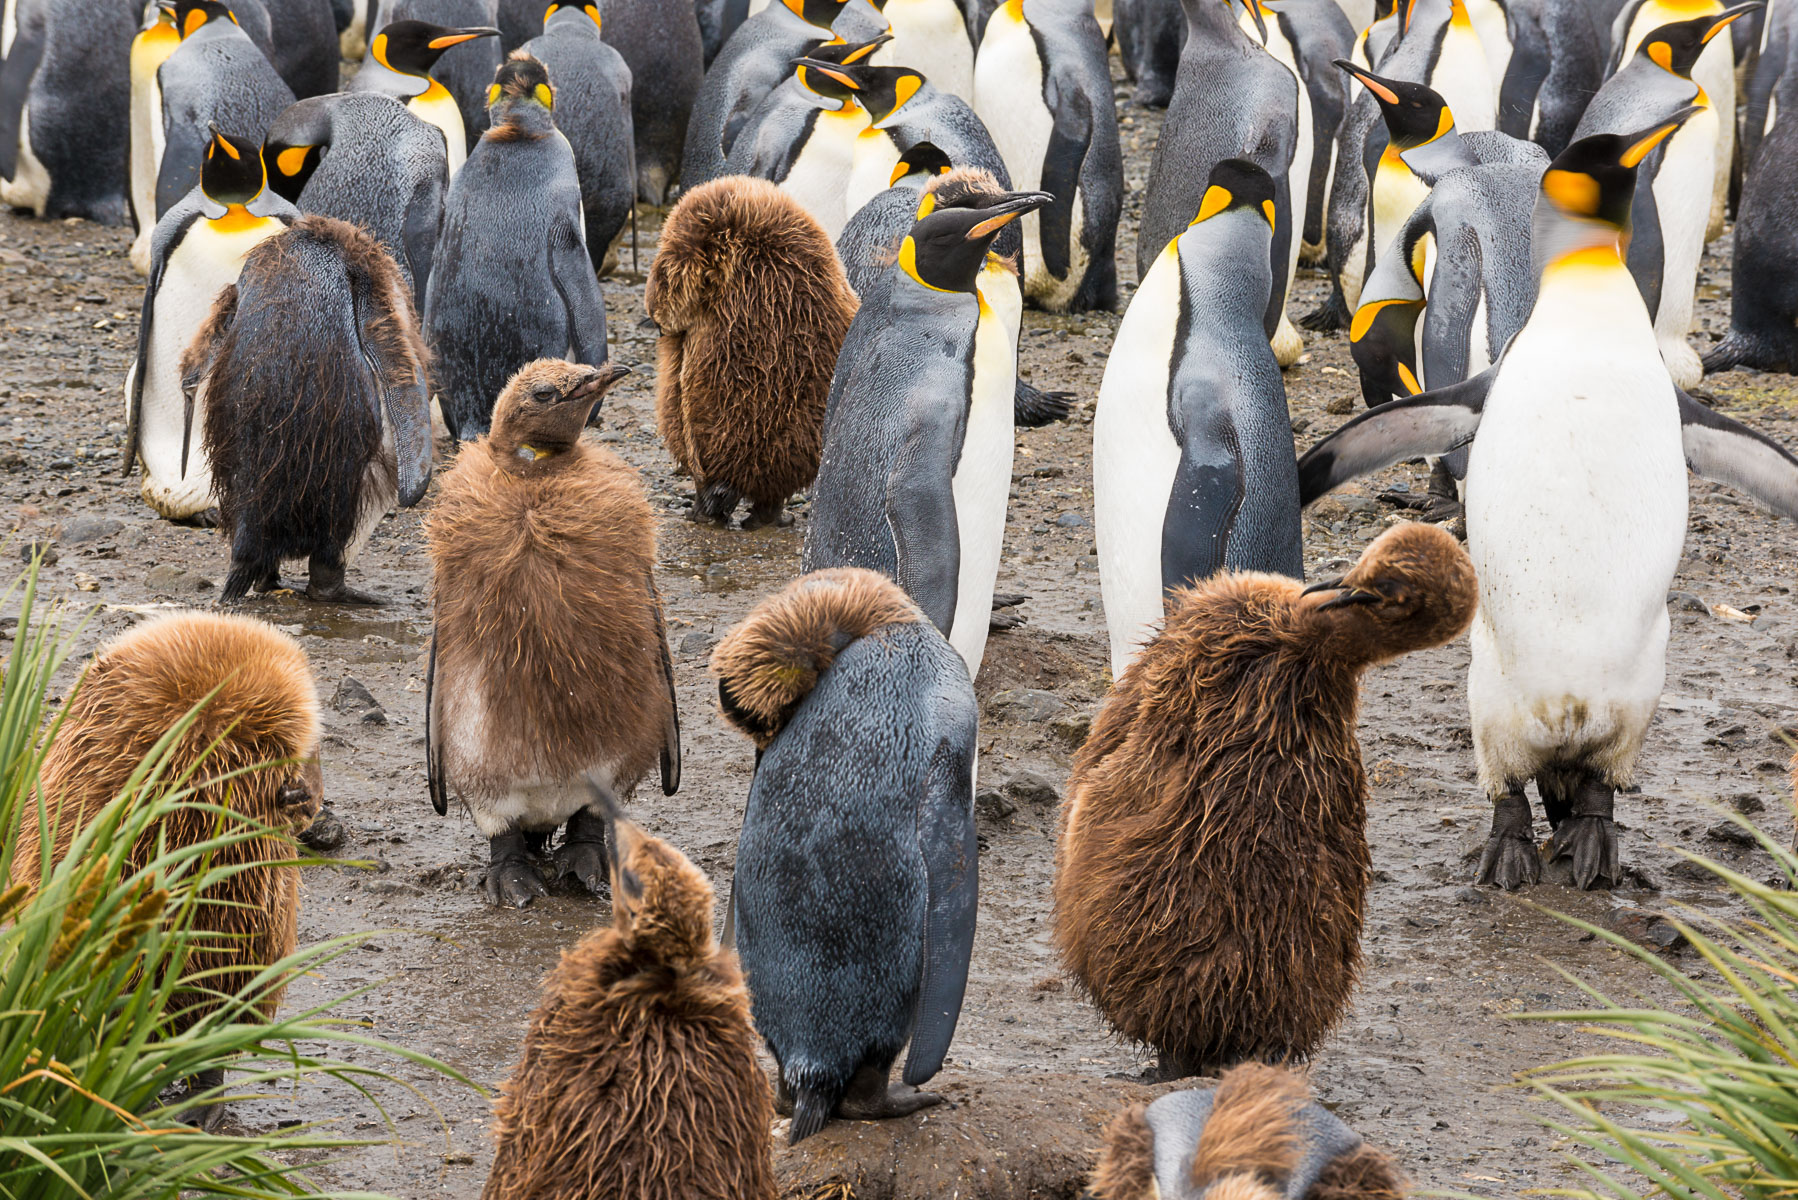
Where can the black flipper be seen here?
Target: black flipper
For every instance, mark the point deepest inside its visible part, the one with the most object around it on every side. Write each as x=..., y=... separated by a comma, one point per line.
x=196, y=374
x=1647, y=257
x=921, y=512
x=1729, y=452
x=1280, y=250
x=16, y=74
x=1522, y=84
x=433, y=733
x=671, y=730
x=573, y=273
x=1207, y=493
x=1431, y=423
x=952, y=862
x=134, y=409
x=1062, y=161
x=1032, y=409
x=1454, y=298
x=420, y=235
x=407, y=405
x=183, y=154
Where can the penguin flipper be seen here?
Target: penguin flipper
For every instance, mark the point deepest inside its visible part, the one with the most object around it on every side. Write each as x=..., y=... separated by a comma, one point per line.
x=1429, y=423
x=1032, y=409
x=1066, y=154
x=1454, y=298
x=952, y=865
x=433, y=733
x=573, y=273
x=403, y=395
x=920, y=512
x=183, y=154
x=16, y=74
x=1729, y=452
x=197, y=360
x=671, y=728
x=1647, y=257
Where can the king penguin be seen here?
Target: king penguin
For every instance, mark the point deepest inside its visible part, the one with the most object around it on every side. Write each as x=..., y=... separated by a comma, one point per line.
x=1763, y=296
x=196, y=251
x=149, y=50
x=1043, y=87
x=1268, y=29
x=1193, y=466
x=1149, y=36
x=918, y=436
x=400, y=58
x=804, y=139
x=1318, y=34
x=1555, y=65
x=930, y=37
x=661, y=45
x=1672, y=204
x=1577, y=492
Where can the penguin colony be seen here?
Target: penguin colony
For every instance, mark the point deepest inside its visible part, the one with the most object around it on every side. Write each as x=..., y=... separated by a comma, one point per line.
x=1510, y=202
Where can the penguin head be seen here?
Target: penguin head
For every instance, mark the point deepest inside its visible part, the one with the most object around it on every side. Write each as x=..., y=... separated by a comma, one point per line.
x=1259, y=11
x=661, y=902
x=946, y=248
x=1676, y=45
x=571, y=11
x=1587, y=191
x=923, y=161
x=822, y=13
x=232, y=172
x=827, y=80
x=1236, y=183
x=883, y=91
x=413, y=47
x=1412, y=588
x=297, y=141
x=540, y=414
x=191, y=16
x=1415, y=114
x=520, y=92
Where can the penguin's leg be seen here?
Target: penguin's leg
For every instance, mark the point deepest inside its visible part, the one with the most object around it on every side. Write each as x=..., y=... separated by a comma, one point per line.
x=582, y=853
x=325, y=583
x=206, y=518
x=715, y=502
x=206, y=1117
x=1588, y=836
x=871, y=1098
x=1442, y=499
x=511, y=879
x=1510, y=859
x=1171, y=1065
x=763, y=513
x=252, y=567
x=1559, y=789
x=537, y=841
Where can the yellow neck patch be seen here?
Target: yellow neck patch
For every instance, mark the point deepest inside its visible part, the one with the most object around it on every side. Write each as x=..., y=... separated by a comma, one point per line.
x=1574, y=191
x=1364, y=317
x=1600, y=257
x=436, y=93
x=926, y=206
x=1216, y=200
x=908, y=262
x=237, y=219
x=291, y=160
x=536, y=454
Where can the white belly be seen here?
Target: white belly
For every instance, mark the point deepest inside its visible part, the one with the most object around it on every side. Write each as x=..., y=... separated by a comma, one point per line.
x=203, y=264
x=30, y=185
x=1682, y=196
x=930, y=37
x=819, y=179
x=1135, y=459
x=146, y=145
x=1495, y=39
x=440, y=110
x=1576, y=513
x=982, y=481
x=872, y=173
x=1298, y=176
x=9, y=26
x=1465, y=80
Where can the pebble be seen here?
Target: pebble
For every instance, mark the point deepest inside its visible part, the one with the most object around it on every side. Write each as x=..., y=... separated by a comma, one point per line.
x=1340, y=406
x=1072, y=520
x=352, y=695
x=991, y=806
x=1646, y=928
x=91, y=529
x=32, y=549
x=1028, y=787
x=698, y=642
x=172, y=579
x=1731, y=833
x=1072, y=728
x=1027, y=705
x=1687, y=602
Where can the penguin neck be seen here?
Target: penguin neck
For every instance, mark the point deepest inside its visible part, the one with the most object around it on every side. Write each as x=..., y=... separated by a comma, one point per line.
x=525, y=455
x=1574, y=251
x=237, y=218
x=519, y=120
x=1431, y=160
x=572, y=22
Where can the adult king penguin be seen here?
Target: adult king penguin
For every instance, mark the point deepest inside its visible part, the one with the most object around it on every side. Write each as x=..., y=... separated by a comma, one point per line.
x=1266, y=28
x=1556, y=63
x=1672, y=203
x=931, y=37
x=803, y=140
x=1763, y=298
x=660, y=43
x=1043, y=87
x=918, y=438
x=1576, y=492
x=149, y=50
x=1149, y=36
x=196, y=252
x=1193, y=468
x=400, y=58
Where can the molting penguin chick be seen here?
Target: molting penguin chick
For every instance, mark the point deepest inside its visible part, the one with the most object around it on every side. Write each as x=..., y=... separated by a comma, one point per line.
x=511, y=280
x=263, y=708
x=864, y=722
x=1213, y=863
x=317, y=416
x=639, y=1076
x=549, y=661
x=753, y=305
x=1258, y=1135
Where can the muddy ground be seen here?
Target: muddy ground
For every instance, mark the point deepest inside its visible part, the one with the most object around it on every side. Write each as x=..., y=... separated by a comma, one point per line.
x=1422, y=1062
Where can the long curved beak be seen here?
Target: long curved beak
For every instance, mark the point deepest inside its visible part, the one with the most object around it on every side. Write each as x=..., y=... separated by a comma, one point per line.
x=460, y=36
x=1345, y=596
x=1015, y=205
x=1722, y=20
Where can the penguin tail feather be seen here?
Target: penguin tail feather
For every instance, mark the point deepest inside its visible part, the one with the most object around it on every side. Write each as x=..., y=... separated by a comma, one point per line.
x=812, y=1107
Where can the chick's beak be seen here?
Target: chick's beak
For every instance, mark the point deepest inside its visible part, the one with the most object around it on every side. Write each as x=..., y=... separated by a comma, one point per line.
x=1345, y=594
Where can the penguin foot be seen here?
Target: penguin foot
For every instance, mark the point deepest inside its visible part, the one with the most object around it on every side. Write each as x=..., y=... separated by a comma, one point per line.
x=582, y=853
x=1170, y=1066
x=1510, y=859
x=204, y=519
x=871, y=1098
x=761, y=516
x=1589, y=838
x=342, y=593
x=714, y=502
x=204, y=1117
x=511, y=879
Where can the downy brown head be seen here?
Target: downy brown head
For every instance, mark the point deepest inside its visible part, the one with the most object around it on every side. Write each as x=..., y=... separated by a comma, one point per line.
x=661, y=902
x=1414, y=587
x=540, y=415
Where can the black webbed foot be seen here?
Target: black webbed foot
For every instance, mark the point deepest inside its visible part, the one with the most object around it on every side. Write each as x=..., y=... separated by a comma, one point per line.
x=512, y=880
x=1589, y=838
x=1510, y=859
x=582, y=853
x=871, y=1098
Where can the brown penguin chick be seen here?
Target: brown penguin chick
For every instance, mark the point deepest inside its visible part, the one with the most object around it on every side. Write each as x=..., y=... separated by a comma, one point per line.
x=1213, y=865
x=266, y=710
x=549, y=660
x=1257, y=1136
x=639, y=1076
x=753, y=305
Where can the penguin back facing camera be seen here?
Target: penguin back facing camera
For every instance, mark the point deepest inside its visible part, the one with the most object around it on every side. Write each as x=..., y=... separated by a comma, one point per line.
x=365, y=158
x=661, y=45
x=317, y=406
x=752, y=306
x=805, y=135
x=440, y=72
x=1193, y=466
x=303, y=40
x=593, y=111
x=864, y=722
x=1763, y=297
x=513, y=213
x=555, y=531
x=1149, y=36
x=918, y=430
x=196, y=251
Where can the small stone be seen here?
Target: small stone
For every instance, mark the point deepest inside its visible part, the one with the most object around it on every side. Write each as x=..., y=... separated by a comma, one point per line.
x=91, y=529
x=697, y=642
x=392, y=887
x=172, y=579
x=326, y=833
x=1300, y=424
x=62, y=464
x=32, y=549
x=1072, y=728
x=1072, y=520
x=1687, y=602
x=352, y=696
x=1028, y=787
x=1340, y=406
x=86, y=583
x=1048, y=472
x=1730, y=833
x=1646, y=928
x=12, y=460
x=1472, y=896
x=1747, y=803
x=991, y=806
x=1027, y=705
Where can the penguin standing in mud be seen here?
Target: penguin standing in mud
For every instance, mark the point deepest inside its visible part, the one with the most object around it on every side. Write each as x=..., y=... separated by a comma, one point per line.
x=513, y=214
x=364, y=158
x=65, y=108
x=1763, y=294
x=803, y=140
x=196, y=251
x=317, y=410
x=149, y=50
x=1216, y=817
x=1576, y=489
x=400, y=60
x=1043, y=87
x=1193, y=466
x=593, y=111
x=574, y=681
x=918, y=434
x=217, y=75
x=864, y=723
x=1673, y=184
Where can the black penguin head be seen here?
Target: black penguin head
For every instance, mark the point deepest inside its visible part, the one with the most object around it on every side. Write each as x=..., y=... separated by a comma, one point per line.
x=520, y=85
x=822, y=13
x=947, y=246
x=297, y=141
x=232, y=173
x=924, y=160
x=1415, y=114
x=544, y=407
x=827, y=80
x=191, y=16
x=413, y=47
x=1237, y=183
x=884, y=90
x=591, y=11
x=1676, y=45
x=1594, y=179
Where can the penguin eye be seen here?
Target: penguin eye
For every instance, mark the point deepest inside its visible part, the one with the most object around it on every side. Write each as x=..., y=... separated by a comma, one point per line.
x=633, y=887
x=544, y=395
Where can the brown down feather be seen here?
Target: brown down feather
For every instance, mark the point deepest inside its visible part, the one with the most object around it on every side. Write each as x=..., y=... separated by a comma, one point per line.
x=1251, y=1130
x=1213, y=865
x=547, y=627
x=772, y=659
x=639, y=1078
x=140, y=685
x=1126, y=1166
x=753, y=306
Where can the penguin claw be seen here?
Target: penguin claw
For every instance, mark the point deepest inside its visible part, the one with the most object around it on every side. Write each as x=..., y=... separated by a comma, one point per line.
x=585, y=861
x=514, y=884
x=900, y=1099
x=1510, y=861
x=1591, y=842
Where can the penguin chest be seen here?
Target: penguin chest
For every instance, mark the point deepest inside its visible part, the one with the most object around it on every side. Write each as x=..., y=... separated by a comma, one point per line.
x=1682, y=199
x=875, y=157
x=1136, y=458
x=1464, y=79
x=1395, y=195
x=9, y=26
x=981, y=484
x=435, y=106
x=930, y=37
x=1488, y=18
x=1008, y=98
x=1298, y=175
x=819, y=176
x=148, y=52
